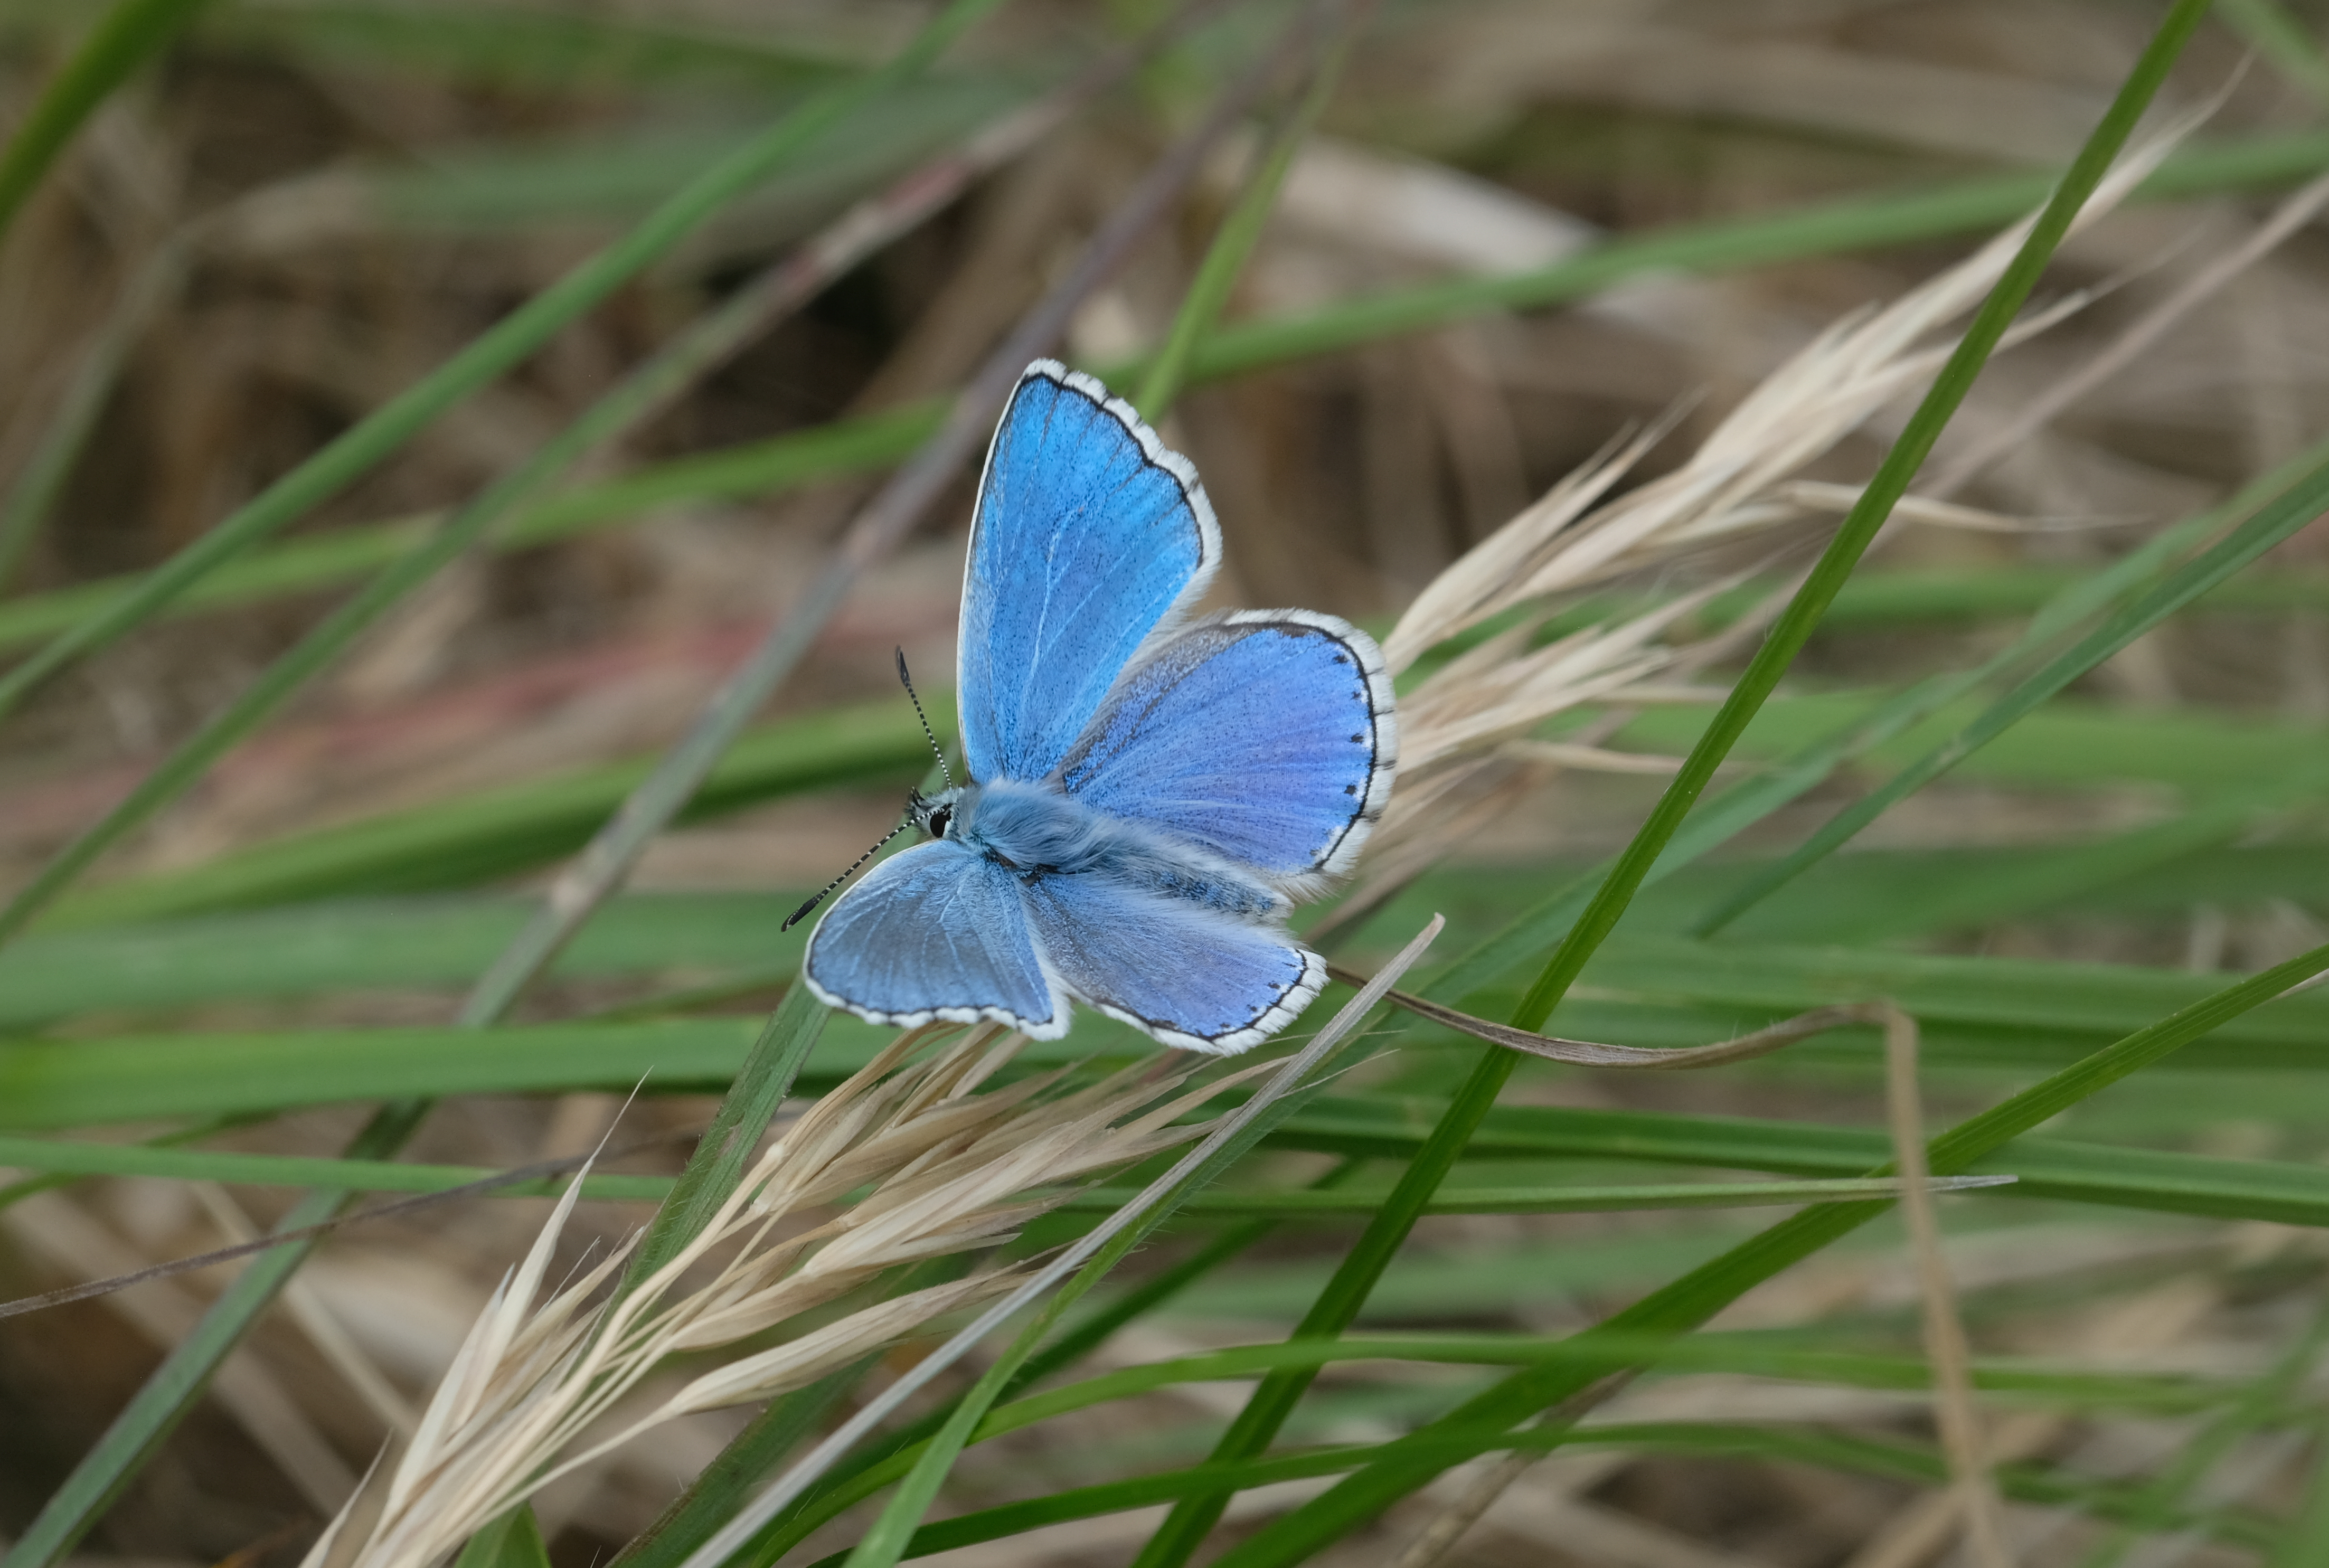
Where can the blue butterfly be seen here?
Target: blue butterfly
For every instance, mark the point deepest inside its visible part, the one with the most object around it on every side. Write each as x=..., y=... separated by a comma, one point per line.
x=1149, y=793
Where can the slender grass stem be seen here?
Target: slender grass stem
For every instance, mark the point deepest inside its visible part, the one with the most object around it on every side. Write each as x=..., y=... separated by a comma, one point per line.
x=1685, y=1304
x=128, y=35
x=637, y=399
x=1338, y=1304
x=485, y=358
x=164, y=1397
x=161, y=1401
x=876, y=441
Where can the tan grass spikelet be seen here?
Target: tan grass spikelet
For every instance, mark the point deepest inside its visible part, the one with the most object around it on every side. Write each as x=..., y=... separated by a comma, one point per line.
x=1463, y=732
x=941, y=1168
x=1564, y=543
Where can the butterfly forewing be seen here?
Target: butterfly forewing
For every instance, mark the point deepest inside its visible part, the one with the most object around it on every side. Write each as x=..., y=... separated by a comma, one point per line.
x=1088, y=534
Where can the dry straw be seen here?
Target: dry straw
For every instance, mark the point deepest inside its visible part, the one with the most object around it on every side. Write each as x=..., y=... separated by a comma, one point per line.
x=1465, y=732
x=543, y=1384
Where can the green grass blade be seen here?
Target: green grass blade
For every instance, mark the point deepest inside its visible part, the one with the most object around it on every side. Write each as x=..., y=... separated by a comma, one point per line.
x=2283, y=1192
x=487, y=356
x=1209, y=291
x=42, y=479
x=2305, y=1541
x=512, y=1541
x=877, y=441
x=128, y=35
x=2295, y=508
x=2273, y=32
x=1689, y=1302
x=1581, y=1199
x=2159, y=1181
x=635, y=399
x=1859, y=223
x=513, y=827
x=1191, y=1520
x=748, y=470
x=163, y=1401
x=717, y=1163
x=358, y=1176
x=741, y=1467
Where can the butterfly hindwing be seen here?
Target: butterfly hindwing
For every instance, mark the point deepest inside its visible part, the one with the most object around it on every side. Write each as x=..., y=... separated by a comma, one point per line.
x=934, y=931
x=1088, y=534
x=1263, y=736
x=1188, y=976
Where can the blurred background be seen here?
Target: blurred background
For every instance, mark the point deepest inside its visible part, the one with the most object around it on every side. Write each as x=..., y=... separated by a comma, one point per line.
x=298, y=208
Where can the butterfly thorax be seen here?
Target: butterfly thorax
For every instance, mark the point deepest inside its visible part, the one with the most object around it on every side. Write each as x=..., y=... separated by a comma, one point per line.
x=1040, y=830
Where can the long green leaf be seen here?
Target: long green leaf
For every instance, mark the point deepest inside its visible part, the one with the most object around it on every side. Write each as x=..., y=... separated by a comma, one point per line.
x=128, y=35
x=482, y=360
x=749, y=1105
x=1815, y=754
x=1191, y=1520
x=163, y=1401
x=1689, y=1302
x=876, y=440
x=2298, y=507
x=514, y=827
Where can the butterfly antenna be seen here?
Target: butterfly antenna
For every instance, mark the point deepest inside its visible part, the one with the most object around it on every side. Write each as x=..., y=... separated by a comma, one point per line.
x=936, y=750
x=801, y=913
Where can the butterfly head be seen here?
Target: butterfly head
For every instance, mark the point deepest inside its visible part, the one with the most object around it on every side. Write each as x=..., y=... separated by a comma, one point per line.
x=936, y=815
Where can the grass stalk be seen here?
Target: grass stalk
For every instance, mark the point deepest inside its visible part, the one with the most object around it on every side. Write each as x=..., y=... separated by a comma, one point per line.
x=2294, y=509
x=1685, y=1303
x=373, y=438
x=1946, y=1349
x=876, y=441
x=1345, y=1293
x=132, y=32
x=635, y=399
x=161, y=1401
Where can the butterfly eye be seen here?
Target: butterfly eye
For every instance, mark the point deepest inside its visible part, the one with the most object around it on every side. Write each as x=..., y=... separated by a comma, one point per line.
x=939, y=821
